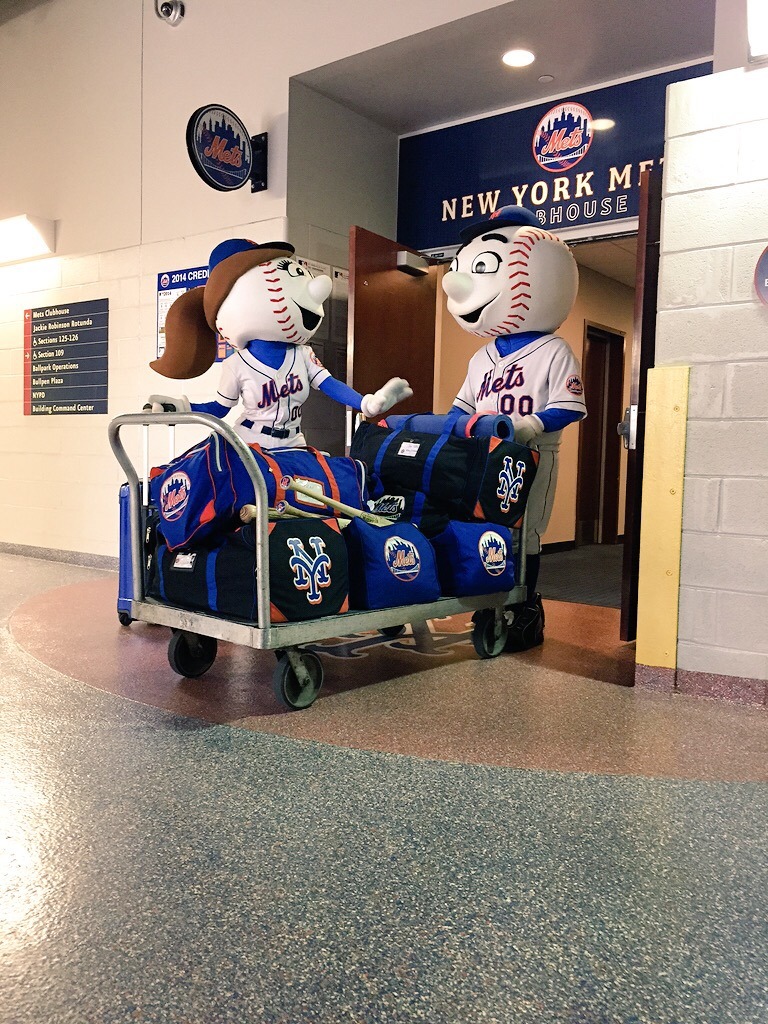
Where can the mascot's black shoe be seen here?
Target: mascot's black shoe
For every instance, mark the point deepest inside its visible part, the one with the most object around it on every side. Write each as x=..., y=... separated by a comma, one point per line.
x=527, y=628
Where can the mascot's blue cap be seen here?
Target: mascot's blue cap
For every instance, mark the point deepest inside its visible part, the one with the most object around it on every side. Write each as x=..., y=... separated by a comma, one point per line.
x=506, y=216
x=233, y=246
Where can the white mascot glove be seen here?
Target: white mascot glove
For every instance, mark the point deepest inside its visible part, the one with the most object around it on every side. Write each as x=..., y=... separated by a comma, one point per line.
x=528, y=429
x=157, y=402
x=395, y=390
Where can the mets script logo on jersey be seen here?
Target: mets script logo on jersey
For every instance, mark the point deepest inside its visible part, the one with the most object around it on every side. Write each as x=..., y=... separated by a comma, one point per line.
x=310, y=573
x=562, y=137
x=574, y=385
x=510, y=482
x=493, y=553
x=513, y=377
x=174, y=495
x=271, y=393
x=402, y=559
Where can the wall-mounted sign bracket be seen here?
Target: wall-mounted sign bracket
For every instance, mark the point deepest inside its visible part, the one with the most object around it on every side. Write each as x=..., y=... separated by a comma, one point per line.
x=259, y=145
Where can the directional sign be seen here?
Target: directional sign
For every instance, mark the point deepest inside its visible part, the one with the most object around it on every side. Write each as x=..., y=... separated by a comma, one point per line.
x=66, y=358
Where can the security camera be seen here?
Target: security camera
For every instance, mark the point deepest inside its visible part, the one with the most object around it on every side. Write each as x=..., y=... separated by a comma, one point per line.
x=171, y=11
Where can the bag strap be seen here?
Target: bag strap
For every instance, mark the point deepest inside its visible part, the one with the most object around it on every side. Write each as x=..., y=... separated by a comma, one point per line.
x=278, y=473
x=429, y=465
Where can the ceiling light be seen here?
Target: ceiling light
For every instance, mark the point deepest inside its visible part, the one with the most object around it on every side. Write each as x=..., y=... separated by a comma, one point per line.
x=602, y=124
x=546, y=78
x=23, y=237
x=757, y=30
x=518, y=58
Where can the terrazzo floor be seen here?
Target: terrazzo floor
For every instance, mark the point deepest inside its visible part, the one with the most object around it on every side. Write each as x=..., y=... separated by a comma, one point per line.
x=437, y=839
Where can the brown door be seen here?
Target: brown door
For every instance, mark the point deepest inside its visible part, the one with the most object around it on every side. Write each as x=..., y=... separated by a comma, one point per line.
x=597, y=495
x=643, y=355
x=391, y=320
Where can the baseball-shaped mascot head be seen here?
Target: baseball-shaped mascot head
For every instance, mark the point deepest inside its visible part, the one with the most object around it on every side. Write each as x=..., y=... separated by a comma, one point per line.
x=510, y=276
x=254, y=291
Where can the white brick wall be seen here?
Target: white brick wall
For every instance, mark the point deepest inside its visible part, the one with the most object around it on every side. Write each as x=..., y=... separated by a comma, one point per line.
x=62, y=492
x=714, y=227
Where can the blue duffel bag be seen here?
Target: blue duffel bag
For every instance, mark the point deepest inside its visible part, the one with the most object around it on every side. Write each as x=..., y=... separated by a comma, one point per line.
x=474, y=558
x=389, y=565
x=199, y=493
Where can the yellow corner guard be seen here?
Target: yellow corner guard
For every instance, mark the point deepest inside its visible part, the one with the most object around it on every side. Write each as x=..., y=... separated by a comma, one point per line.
x=661, y=526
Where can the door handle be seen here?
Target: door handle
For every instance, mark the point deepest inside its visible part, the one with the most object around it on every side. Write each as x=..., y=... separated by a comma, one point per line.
x=627, y=429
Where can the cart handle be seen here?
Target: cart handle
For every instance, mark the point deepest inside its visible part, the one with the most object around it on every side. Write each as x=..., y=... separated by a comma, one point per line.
x=246, y=456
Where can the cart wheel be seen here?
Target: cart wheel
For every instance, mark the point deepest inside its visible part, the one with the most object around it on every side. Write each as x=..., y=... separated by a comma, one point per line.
x=190, y=654
x=289, y=689
x=124, y=618
x=392, y=632
x=489, y=633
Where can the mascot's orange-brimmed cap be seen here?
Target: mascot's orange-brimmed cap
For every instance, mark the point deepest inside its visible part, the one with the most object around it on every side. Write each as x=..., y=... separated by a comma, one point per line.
x=190, y=325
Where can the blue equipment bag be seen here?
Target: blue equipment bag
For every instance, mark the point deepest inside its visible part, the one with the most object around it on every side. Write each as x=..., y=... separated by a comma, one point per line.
x=125, y=564
x=389, y=565
x=148, y=527
x=474, y=558
x=199, y=492
x=307, y=573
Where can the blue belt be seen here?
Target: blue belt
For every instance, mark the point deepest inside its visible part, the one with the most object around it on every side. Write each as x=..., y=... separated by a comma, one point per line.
x=272, y=431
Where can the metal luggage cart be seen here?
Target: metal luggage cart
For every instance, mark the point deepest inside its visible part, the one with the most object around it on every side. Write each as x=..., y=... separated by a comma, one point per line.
x=298, y=675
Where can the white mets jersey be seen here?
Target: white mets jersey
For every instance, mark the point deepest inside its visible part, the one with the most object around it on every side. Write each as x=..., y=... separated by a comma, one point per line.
x=272, y=399
x=544, y=374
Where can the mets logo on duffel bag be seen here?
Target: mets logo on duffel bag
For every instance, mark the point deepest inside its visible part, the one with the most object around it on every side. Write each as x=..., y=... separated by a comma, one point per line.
x=310, y=573
x=493, y=553
x=510, y=482
x=174, y=495
x=402, y=558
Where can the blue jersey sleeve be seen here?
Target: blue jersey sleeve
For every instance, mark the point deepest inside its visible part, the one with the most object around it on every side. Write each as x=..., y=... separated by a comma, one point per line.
x=556, y=419
x=214, y=408
x=341, y=393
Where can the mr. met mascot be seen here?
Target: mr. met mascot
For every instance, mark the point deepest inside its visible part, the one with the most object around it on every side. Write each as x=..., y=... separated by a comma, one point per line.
x=267, y=306
x=514, y=284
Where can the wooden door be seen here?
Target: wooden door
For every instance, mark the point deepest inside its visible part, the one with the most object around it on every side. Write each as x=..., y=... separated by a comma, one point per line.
x=597, y=494
x=643, y=356
x=391, y=320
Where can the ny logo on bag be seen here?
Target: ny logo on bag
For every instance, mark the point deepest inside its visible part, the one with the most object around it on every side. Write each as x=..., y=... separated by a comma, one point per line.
x=310, y=574
x=510, y=483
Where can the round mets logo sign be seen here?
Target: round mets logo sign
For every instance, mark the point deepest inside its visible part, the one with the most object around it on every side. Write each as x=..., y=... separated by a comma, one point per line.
x=402, y=559
x=562, y=137
x=493, y=553
x=174, y=495
x=219, y=147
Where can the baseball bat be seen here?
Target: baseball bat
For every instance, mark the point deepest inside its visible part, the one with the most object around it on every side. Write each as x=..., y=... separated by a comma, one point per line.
x=248, y=512
x=289, y=484
x=289, y=510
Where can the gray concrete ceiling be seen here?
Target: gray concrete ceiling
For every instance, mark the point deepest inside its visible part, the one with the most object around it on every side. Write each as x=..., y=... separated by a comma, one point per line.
x=455, y=71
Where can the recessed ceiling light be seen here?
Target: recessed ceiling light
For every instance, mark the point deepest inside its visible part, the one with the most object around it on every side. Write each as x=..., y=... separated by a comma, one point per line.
x=518, y=58
x=546, y=78
x=602, y=124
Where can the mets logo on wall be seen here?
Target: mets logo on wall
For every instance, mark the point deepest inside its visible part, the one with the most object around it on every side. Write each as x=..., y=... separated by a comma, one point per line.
x=562, y=137
x=174, y=495
x=402, y=559
x=493, y=553
x=219, y=147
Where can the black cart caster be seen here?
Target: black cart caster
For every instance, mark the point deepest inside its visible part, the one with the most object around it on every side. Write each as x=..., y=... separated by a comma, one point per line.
x=190, y=654
x=489, y=633
x=124, y=618
x=297, y=679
